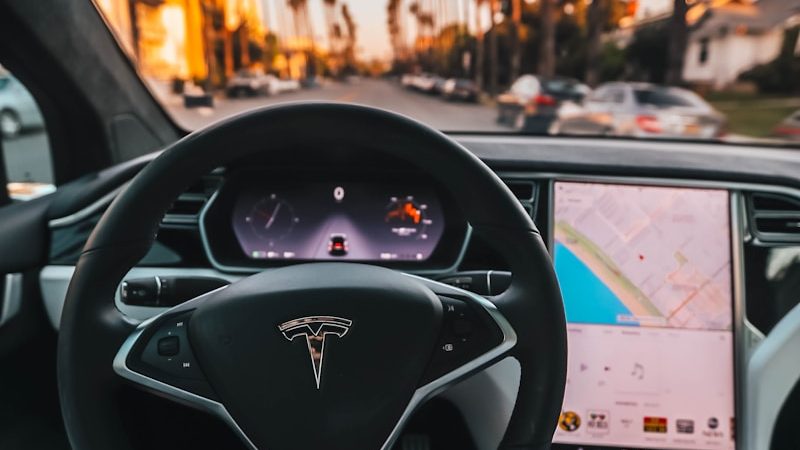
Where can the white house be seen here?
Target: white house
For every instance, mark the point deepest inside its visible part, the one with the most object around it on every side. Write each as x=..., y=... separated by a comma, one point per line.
x=730, y=37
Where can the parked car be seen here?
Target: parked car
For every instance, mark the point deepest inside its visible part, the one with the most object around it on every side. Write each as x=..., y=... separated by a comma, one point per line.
x=427, y=83
x=407, y=80
x=18, y=110
x=533, y=103
x=645, y=110
x=460, y=89
x=438, y=85
x=789, y=128
x=280, y=85
x=250, y=82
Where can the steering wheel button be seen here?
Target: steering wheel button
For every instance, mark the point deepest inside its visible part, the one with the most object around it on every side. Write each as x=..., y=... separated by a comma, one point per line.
x=169, y=346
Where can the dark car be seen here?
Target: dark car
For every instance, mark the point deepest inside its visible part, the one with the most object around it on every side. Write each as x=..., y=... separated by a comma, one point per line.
x=532, y=103
x=460, y=89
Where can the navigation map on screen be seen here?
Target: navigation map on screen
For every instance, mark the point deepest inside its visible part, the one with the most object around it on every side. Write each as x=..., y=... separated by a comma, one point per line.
x=645, y=273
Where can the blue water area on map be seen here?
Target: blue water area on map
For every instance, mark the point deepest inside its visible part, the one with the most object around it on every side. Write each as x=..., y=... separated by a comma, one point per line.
x=586, y=298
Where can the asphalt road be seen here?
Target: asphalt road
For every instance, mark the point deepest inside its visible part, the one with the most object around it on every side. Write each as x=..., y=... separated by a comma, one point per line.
x=432, y=110
x=27, y=157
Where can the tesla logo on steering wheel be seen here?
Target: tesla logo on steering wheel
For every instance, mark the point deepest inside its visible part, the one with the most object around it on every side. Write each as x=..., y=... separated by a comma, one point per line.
x=315, y=329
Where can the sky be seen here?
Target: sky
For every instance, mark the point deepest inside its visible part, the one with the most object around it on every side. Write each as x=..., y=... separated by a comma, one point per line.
x=370, y=19
x=369, y=16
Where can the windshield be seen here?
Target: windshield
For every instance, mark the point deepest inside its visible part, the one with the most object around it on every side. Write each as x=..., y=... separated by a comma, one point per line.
x=726, y=70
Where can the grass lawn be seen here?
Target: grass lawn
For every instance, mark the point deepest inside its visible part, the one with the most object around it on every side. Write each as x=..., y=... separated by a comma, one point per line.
x=753, y=115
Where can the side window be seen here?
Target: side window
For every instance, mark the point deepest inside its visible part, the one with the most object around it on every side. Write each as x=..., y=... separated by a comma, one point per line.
x=702, y=57
x=617, y=96
x=599, y=96
x=26, y=150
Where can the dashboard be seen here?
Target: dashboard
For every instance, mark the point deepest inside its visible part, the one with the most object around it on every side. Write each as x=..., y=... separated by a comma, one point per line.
x=651, y=259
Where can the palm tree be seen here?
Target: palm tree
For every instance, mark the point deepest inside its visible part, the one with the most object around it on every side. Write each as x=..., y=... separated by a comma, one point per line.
x=414, y=10
x=350, y=51
x=295, y=6
x=493, y=9
x=596, y=16
x=516, y=44
x=394, y=23
x=478, y=45
x=302, y=22
x=678, y=38
x=425, y=24
x=547, y=50
x=330, y=21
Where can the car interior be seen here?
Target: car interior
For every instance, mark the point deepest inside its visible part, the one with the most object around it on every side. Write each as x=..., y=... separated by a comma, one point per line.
x=175, y=249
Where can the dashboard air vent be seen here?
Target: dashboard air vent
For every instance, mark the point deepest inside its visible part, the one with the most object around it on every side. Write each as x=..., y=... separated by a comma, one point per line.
x=187, y=208
x=775, y=217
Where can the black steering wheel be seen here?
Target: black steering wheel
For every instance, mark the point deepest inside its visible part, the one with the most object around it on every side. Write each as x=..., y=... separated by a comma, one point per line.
x=389, y=340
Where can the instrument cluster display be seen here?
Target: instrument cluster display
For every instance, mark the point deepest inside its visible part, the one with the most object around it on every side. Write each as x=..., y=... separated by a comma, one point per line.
x=355, y=221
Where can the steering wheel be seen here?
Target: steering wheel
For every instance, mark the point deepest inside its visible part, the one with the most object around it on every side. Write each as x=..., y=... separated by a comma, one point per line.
x=253, y=352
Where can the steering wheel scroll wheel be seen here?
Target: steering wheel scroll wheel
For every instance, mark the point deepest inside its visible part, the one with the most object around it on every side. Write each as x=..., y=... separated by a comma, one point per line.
x=320, y=355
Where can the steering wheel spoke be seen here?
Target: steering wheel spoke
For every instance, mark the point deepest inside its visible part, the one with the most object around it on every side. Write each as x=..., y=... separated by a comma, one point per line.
x=158, y=358
x=474, y=335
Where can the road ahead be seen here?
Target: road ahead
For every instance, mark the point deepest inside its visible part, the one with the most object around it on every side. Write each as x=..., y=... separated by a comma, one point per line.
x=432, y=110
x=28, y=159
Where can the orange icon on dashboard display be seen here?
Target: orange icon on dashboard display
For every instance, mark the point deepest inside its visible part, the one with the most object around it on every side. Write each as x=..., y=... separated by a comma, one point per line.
x=405, y=211
x=569, y=421
x=655, y=424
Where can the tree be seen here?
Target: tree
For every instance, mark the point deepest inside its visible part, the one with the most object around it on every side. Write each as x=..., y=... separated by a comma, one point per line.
x=597, y=16
x=393, y=22
x=547, y=42
x=350, y=48
x=478, y=45
x=330, y=24
x=295, y=6
x=678, y=39
x=516, y=39
x=493, y=9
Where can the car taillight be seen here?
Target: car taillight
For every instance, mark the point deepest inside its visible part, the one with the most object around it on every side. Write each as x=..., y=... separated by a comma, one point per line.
x=786, y=131
x=544, y=100
x=648, y=123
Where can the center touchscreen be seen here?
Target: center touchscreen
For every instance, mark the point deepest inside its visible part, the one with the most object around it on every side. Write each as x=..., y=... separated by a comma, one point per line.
x=646, y=277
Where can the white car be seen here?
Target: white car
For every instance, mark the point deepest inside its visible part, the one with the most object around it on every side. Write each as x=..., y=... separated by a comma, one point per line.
x=18, y=110
x=279, y=85
x=249, y=82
